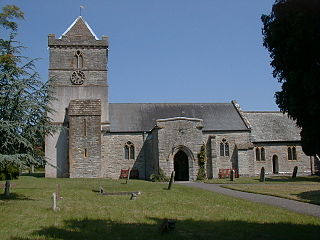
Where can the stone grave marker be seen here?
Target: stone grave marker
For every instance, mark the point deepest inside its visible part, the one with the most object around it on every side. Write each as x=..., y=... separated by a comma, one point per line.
x=101, y=190
x=54, y=202
x=171, y=180
x=134, y=196
x=232, y=175
x=295, y=171
x=58, y=192
x=262, y=175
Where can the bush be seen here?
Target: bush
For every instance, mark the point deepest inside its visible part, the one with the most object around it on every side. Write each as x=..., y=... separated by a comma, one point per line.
x=9, y=172
x=161, y=177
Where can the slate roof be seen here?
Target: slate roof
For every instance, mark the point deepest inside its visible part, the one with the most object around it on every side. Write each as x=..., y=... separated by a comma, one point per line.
x=137, y=117
x=272, y=127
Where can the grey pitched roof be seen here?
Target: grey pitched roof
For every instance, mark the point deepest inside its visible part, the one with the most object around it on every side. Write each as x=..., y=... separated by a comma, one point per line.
x=272, y=126
x=136, y=117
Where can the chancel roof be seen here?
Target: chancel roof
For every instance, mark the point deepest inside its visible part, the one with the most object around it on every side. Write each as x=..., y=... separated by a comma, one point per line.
x=272, y=127
x=137, y=117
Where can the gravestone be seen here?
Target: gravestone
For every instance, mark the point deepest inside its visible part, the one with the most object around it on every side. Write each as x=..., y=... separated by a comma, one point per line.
x=232, y=175
x=295, y=171
x=262, y=175
x=58, y=192
x=101, y=190
x=134, y=196
x=171, y=180
x=54, y=203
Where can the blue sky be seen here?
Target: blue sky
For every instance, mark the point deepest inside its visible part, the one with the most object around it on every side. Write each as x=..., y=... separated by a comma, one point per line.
x=167, y=50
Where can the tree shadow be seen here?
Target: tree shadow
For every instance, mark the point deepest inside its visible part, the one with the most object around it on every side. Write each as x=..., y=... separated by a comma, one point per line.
x=14, y=197
x=311, y=196
x=36, y=175
x=290, y=179
x=77, y=229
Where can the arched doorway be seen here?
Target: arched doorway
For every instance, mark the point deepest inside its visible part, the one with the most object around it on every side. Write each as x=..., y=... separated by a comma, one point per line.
x=275, y=164
x=181, y=166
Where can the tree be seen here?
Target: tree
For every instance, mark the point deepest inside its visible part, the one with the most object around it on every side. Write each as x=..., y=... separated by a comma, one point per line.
x=24, y=102
x=291, y=33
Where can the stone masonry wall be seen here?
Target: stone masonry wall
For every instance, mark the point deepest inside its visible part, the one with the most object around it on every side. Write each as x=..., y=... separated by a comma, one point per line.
x=85, y=138
x=113, y=154
x=215, y=161
x=179, y=134
x=281, y=151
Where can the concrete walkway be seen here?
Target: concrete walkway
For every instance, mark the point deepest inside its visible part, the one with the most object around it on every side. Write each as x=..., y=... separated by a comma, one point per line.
x=295, y=206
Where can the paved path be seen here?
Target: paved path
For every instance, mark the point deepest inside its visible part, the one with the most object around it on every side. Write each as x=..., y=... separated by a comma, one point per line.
x=295, y=206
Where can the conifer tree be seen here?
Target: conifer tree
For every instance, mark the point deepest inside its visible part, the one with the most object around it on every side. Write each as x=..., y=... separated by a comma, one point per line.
x=24, y=101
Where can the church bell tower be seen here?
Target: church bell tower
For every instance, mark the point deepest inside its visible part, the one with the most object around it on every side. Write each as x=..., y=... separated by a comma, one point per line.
x=78, y=70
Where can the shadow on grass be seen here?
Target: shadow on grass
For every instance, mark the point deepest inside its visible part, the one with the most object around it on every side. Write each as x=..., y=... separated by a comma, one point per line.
x=14, y=197
x=276, y=179
x=36, y=175
x=311, y=196
x=185, y=229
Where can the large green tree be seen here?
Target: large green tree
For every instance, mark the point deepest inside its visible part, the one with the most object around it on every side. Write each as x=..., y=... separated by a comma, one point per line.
x=24, y=100
x=291, y=33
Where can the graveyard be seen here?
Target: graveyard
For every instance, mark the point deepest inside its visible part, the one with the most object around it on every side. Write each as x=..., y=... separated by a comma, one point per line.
x=137, y=209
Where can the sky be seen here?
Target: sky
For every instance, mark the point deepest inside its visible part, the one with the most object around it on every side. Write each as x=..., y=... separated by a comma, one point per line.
x=166, y=50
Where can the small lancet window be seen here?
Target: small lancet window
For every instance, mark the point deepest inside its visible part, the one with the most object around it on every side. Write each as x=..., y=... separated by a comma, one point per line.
x=129, y=151
x=78, y=60
x=84, y=127
x=258, y=154
x=221, y=149
x=289, y=153
x=85, y=152
x=263, y=154
x=226, y=149
x=294, y=153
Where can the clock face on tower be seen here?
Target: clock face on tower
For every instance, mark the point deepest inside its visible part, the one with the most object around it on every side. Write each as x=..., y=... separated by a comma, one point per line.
x=77, y=77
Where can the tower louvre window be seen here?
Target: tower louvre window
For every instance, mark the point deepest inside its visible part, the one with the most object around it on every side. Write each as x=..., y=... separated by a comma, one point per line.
x=78, y=60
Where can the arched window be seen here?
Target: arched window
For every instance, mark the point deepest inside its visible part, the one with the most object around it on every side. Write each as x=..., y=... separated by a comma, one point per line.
x=78, y=60
x=224, y=148
x=294, y=153
x=221, y=149
x=129, y=150
x=263, y=154
x=257, y=154
x=289, y=153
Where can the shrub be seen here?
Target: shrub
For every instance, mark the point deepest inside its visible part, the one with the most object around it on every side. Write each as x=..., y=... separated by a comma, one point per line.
x=161, y=177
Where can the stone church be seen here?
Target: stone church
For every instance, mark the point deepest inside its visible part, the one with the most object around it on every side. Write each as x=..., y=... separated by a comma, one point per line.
x=99, y=139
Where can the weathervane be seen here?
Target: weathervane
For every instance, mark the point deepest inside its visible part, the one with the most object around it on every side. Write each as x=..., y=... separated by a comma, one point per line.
x=81, y=7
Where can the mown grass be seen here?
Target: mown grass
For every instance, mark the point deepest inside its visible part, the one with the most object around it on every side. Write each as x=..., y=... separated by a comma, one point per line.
x=268, y=180
x=85, y=214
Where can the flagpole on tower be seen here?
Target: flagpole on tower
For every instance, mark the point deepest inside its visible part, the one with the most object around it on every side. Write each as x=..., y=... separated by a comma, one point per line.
x=81, y=7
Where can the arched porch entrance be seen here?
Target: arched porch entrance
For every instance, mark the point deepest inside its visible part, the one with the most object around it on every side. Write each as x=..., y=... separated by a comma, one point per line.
x=181, y=166
x=275, y=164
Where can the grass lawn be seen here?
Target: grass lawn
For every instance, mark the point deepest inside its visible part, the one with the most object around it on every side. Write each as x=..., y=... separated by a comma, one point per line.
x=85, y=214
x=304, y=189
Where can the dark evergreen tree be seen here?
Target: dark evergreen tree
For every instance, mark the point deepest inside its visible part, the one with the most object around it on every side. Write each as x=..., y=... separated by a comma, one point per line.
x=291, y=33
x=24, y=101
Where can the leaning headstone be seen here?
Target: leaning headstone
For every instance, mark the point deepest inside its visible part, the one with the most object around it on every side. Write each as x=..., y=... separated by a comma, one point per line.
x=171, y=180
x=134, y=196
x=231, y=175
x=295, y=170
x=262, y=175
x=101, y=190
x=54, y=203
